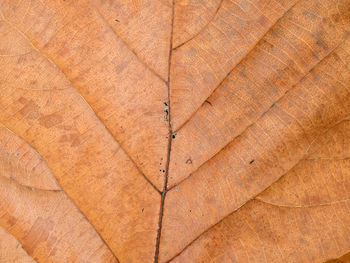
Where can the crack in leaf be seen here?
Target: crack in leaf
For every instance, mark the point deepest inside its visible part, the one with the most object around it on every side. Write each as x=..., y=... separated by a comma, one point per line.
x=33, y=188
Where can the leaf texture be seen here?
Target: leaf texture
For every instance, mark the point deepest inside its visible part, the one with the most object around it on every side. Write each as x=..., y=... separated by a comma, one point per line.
x=45, y=221
x=174, y=131
x=343, y=259
x=303, y=217
x=11, y=250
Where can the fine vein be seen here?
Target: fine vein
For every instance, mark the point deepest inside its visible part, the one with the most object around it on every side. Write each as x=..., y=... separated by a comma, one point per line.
x=204, y=27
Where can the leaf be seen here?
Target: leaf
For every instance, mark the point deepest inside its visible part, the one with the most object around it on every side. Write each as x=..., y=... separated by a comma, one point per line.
x=182, y=131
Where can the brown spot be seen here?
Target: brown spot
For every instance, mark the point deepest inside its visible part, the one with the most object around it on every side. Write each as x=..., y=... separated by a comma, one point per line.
x=268, y=44
x=103, y=175
x=22, y=59
x=315, y=56
x=50, y=120
x=29, y=107
x=263, y=21
x=73, y=139
x=322, y=44
x=11, y=221
x=192, y=52
x=22, y=100
x=65, y=127
x=189, y=161
x=38, y=234
x=121, y=67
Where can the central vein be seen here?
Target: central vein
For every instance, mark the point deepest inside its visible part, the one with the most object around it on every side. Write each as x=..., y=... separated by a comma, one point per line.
x=170, y=134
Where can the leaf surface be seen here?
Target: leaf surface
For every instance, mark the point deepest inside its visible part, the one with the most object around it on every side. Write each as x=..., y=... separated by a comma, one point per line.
x=303, y=217
x=182, y=131
x=11, y=250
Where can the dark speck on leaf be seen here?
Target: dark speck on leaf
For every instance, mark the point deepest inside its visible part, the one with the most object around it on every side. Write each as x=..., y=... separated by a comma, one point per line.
x=252, y=161
x=166, y=110
x=207, y=101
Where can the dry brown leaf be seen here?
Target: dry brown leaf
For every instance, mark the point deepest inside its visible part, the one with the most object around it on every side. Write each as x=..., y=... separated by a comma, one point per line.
x=183, y=131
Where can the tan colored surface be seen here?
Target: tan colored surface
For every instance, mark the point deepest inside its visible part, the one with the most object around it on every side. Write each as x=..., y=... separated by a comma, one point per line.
x=49, y=226
x=190, y=131
x=42, y=218
x=343, y=259
x=277, y=63
x=122, y=91
x=303, y=217
x=204, y=61
x=21, y=163
x=258, y=157
x=11, y=250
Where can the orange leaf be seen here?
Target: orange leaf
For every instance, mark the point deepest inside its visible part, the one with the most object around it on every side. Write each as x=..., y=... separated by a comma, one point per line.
x=174, y=130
